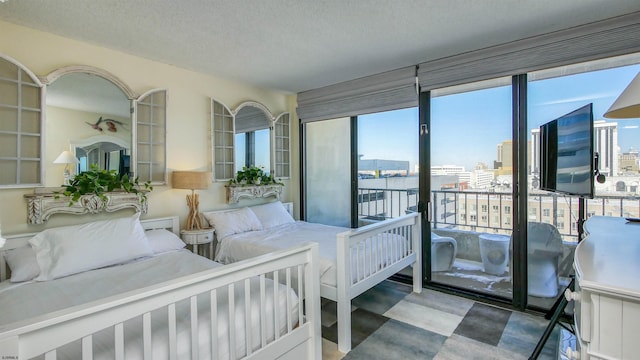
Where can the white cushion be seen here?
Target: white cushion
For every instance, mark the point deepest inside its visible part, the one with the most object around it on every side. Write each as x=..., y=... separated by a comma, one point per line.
x=162, y=240
x=23, y=264
x=272, y=214
x=232, y=222
x=72, y=249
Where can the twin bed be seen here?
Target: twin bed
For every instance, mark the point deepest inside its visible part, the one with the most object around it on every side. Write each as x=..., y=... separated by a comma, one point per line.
x=111, y=290
x=127, y=289
x=351, y=261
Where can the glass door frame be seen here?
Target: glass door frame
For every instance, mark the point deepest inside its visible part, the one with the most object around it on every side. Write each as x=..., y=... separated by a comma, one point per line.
x=519, y=195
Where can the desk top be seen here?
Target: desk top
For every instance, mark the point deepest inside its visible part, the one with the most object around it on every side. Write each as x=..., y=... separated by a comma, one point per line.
x=608, y=259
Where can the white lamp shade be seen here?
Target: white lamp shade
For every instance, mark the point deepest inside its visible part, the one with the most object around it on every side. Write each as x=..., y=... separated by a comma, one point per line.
x=627, y=105
x=66, y=157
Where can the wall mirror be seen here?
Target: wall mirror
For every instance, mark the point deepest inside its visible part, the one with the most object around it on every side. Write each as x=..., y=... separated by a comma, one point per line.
x=89, y=113
x=97, y=117
x=252, y=144
x=249, y=135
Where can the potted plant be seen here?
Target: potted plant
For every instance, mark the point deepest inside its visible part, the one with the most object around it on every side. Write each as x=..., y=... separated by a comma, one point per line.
x=253, y=175
x=99, y=181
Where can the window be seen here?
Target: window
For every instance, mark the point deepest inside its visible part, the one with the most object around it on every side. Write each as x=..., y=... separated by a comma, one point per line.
x=558, y=91
x=327, y=183
x=387, y=148
x=546, y=212
x=507, y=209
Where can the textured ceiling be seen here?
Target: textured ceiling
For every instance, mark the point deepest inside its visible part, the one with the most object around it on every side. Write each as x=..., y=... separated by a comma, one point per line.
x=297, y=45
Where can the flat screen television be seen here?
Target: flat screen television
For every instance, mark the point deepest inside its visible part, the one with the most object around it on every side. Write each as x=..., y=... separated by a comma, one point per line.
x=567, y=155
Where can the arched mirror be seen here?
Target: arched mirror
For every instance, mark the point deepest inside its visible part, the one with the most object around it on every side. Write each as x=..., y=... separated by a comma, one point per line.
x=249, y=135
x=84, y=103
x=88, y=112
x=252, y=144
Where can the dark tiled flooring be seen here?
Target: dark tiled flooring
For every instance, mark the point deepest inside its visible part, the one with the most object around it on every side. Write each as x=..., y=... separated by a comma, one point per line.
x=391, y=322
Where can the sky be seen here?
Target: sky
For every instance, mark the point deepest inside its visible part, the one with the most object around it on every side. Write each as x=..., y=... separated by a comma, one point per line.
x=466, y=128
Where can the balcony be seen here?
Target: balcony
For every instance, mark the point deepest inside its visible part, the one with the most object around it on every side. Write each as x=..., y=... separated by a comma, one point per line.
x=465, y=215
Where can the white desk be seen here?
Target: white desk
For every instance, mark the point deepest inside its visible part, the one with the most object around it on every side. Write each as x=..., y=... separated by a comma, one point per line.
x=607, y=296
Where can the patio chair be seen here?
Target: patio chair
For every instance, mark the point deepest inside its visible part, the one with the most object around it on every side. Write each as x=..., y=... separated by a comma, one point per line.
x=544, y=250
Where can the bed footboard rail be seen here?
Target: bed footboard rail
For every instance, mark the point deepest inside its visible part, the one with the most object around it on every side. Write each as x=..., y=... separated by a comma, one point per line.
x=370, y=254
x=238, y=286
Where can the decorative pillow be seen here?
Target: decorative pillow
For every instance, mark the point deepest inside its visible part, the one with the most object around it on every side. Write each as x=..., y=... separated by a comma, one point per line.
x=272, y=214
x=162, y=240
x=73, y=249
x=232, y=222
x=23, y=264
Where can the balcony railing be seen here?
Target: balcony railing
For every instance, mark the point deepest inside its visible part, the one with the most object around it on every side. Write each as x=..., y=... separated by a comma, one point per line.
x=492, y=211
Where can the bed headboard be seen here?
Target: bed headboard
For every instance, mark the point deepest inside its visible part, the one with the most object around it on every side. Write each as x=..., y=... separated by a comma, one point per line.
x=171, y=223
x=289, y=207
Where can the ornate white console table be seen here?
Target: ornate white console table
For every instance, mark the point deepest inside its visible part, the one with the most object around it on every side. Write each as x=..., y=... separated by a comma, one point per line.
x=235, y=193
x=43, y=203
x=607, y=294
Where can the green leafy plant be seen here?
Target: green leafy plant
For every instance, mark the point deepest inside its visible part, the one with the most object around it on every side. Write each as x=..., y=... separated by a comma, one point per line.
x=253, y=175
x=99, y=181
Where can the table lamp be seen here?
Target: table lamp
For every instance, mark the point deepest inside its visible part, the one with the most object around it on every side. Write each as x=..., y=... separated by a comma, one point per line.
x=627, y=105
x=66, y=157
x=192, y=180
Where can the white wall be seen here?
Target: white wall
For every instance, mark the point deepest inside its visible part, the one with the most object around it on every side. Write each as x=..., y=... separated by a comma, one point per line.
x=188, y=118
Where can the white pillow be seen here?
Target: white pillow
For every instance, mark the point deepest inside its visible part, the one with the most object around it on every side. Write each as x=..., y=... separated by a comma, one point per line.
x=272, y=214
x=23, y=264
x=163, y=240
x=232, y=222
x=73, y=249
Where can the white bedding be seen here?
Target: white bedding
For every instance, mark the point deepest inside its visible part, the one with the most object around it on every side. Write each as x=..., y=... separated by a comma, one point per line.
x=21, y=301
x=253, y=243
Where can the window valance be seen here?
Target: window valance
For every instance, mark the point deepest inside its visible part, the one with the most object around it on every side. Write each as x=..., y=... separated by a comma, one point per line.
x=381, y=92
x=597, y=40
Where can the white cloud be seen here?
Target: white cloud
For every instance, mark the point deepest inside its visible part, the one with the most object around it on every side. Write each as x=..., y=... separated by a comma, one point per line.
x=591, y=98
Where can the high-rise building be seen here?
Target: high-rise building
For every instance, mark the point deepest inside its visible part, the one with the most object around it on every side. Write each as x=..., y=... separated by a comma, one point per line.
x=504, y=162
x=606, y=145
x=534, y=152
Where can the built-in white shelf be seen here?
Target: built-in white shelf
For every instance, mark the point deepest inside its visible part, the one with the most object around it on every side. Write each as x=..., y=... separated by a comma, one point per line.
x=44, y=203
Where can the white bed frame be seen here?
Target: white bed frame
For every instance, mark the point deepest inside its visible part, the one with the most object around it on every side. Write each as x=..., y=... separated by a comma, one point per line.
x=44, y=334
x=403, y=254
x=351, y=244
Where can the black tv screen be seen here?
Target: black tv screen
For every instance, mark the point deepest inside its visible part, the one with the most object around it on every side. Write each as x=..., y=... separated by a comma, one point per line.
x=566, y=159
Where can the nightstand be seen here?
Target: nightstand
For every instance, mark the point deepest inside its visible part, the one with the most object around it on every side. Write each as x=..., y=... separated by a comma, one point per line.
x=200, y=237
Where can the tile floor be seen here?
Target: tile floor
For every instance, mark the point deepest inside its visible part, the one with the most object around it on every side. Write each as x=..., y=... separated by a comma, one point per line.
x=391, y=322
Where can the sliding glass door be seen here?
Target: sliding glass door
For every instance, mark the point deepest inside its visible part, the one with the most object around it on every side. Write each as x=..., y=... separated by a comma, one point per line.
x=471, y=177
x=553, y=217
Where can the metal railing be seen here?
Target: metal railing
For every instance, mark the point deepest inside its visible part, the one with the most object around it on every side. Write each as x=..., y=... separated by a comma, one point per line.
x=486, y=210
